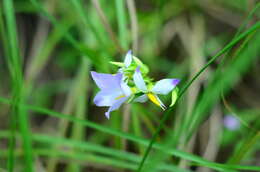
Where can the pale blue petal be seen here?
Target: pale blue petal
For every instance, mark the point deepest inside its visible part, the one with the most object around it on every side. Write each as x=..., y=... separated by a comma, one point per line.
x=139, y=81
x=107, y=97
x=126, y=89
x=128, y=58
x=107, y=81
x=115, y=106
x=165, y=86
x=141, y=99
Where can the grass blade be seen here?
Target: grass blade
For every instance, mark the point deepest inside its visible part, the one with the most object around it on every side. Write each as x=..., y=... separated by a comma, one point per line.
x=168, y=150
x=17, y=83
x=166, y=115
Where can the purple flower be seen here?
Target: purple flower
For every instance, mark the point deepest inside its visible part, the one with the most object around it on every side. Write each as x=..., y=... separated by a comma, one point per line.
x=231, y=122
x=162, y=87
x=113, y=91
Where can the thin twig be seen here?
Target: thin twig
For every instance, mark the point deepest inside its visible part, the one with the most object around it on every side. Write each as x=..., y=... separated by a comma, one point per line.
x=212, y=146
x=126, y=119
x=134, y=30
x=134, y=24
x=106, y=24
x=193, y=40
x=184, y=89
x=37, y=44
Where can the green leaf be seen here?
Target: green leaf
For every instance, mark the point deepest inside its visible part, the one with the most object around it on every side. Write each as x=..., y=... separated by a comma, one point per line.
x=174, y=96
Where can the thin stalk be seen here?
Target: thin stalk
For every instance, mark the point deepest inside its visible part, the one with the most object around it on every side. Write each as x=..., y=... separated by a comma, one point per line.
x=184, y=89
x=121, y=20
x=87, y=52
x=19, y=113
x=169, y=150
x=12, y=119
x=134, y=24
x=106, y=24
x=81, y=108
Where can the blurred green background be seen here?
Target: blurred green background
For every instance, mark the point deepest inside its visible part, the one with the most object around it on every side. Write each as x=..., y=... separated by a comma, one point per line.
x=48, y=121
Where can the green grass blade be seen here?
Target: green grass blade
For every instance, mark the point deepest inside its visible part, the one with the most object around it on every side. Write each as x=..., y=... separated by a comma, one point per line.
x=81, y=148
x=12, y=119
x=121, y=19
x=224, y=80
x=81, y=108
x=245, y=147
x=166, y=115
x=86, y=21
x=87, y=52
x=17, y=83
x=226, y=48
x=168, y=150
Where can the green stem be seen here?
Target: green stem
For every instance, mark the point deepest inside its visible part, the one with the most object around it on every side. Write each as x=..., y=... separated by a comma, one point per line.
x=169, y=150
x=167, y=113
x=121, y=19
x=15, y=67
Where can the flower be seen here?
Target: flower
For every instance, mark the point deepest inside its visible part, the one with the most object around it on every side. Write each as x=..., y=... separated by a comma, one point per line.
x=113, y=91
x=231, y=123
x=151, y=91
x=131, y=84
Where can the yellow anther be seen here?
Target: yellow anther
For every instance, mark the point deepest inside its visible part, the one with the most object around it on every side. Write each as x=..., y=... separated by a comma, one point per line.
x=119, y=97
x=152, y=97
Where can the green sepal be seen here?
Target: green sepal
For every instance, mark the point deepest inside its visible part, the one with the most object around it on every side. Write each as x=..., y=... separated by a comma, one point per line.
x=144, y=69
x=130, y=68
x=138, y=61
x=174, y=96
x=118, y=64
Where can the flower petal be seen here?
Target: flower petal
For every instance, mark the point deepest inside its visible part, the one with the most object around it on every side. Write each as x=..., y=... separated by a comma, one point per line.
x=155, y=99
x=139, y=81
x=115, y=106
x=164, y=86
x=141, y=99
x=126, y=89
x=107, y=81
x=107, y=97
x=128, y=58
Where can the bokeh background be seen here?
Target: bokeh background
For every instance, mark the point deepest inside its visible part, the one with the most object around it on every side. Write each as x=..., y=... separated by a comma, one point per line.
x=48, y=121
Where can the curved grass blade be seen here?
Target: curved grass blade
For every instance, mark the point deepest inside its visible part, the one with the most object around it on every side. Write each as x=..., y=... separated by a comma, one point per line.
x=168, y=150
x=82, y=147
x=87, y=52
x=167, y=113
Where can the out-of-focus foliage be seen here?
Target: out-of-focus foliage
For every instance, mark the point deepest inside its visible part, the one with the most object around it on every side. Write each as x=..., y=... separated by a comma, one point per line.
x=48, y=121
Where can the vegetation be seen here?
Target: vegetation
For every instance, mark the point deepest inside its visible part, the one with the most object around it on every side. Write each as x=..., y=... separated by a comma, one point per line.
x=49, y=122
